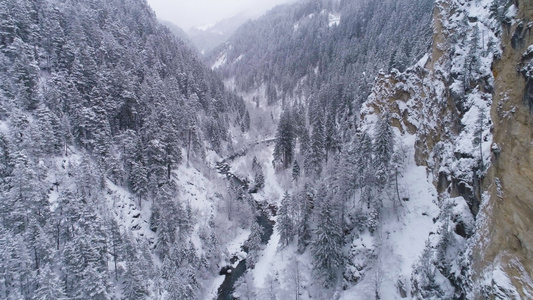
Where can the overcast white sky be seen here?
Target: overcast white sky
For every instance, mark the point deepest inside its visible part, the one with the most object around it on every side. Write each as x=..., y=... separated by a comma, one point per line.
x=188, y=13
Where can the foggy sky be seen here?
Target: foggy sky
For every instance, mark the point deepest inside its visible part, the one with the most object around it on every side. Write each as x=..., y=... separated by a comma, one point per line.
x=189, y=13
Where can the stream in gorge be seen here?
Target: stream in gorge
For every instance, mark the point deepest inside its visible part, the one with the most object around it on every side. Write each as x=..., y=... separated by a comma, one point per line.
x=226, y=289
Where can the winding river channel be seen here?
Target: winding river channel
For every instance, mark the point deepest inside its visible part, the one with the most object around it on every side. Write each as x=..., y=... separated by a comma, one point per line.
x=225, y=291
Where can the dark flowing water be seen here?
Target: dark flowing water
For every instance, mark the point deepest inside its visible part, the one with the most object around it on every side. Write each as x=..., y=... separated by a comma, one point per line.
x=226, y=289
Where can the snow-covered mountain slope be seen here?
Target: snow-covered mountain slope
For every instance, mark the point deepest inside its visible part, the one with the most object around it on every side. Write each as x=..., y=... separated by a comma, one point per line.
x=101, y=107
x=209, y=36
x=178, y=32
x=460, y=102
x=310, y=47
x=128, y=171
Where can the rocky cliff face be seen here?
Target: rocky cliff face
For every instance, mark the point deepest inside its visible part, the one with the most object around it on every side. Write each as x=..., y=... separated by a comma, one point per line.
x=469, y=104
x=506, y=243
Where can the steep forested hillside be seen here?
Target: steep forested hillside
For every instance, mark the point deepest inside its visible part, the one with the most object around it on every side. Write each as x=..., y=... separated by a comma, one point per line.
x=378, y=150
x=335, y=47
x=182, y=35
x=99, y=105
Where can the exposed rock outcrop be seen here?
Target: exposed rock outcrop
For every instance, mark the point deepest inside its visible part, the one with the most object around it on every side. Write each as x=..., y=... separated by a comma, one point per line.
x=469, y=103
x=506, y=243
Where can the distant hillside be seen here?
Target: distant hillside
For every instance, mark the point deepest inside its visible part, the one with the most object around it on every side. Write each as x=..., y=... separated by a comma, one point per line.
x=178, y=32
x=209, y=36
x=300, y=49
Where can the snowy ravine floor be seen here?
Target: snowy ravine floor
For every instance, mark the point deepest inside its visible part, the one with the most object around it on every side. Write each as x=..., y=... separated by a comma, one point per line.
x=266, y=261
x=199, y=188
x=404, y=233
x=271, y=193
x=234, y=249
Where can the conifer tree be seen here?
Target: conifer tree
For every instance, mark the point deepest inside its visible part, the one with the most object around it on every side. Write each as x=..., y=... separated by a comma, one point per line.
x=327, y=243
x=316, y=155
x=134, y=286
x=117, y=246
x=383, y=149
x=26, y=76
x=305, y=151
x=272, y=287
x=285, y=223
x=50, y=287
x=165, y=220
x=259, y=177
x=331, y=138
x=284, y=148
x=306, y=199
x=50, y=137
x=5, y=158
x=138, y=180
x=15, y=265
x=253, y=244
x=295, y=170
x=364, y=167
x=424, y=279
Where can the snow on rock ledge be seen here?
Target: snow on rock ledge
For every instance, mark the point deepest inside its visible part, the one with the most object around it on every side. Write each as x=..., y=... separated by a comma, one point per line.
x=445, y=101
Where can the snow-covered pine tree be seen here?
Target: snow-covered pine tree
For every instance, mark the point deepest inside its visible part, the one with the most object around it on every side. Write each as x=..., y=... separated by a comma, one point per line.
x=295, y=170
x=253, y=244
x=259, y=177
x=316, y=154
x=138, y=180
x=50, y=286
x=26, y=72
x=305, y=151
x=327, y=243
x=424, y=282
x=50, y=132
x=165, y=219
x=245, y=288
x=331, y=136
x=285, y=140
x=5, y=158
x=15, y=266
x=271, y=289
x=285, y=222
x=305, y=198
x=134, y=286
x=397, y=168
x=364, y=167
x=383, y=149
x=116, y=246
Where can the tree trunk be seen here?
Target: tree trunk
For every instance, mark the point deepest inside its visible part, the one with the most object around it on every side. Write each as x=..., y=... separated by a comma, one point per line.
x=189, y=146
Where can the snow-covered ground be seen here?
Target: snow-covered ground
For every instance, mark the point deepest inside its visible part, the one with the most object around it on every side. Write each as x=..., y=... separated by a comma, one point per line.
x=334, y=19
x=128, y=214
x=403, y=233
x=266, y=261
x=220, y=61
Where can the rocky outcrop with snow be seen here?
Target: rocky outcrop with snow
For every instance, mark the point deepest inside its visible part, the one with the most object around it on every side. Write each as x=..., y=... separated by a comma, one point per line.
x=468, y=107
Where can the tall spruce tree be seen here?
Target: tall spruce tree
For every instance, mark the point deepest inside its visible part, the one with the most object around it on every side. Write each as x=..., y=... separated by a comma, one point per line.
x=316, y=155
x=285, y=222
x=259, y=177
x=285, y=140
x=383, y=149
x=327, y=242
